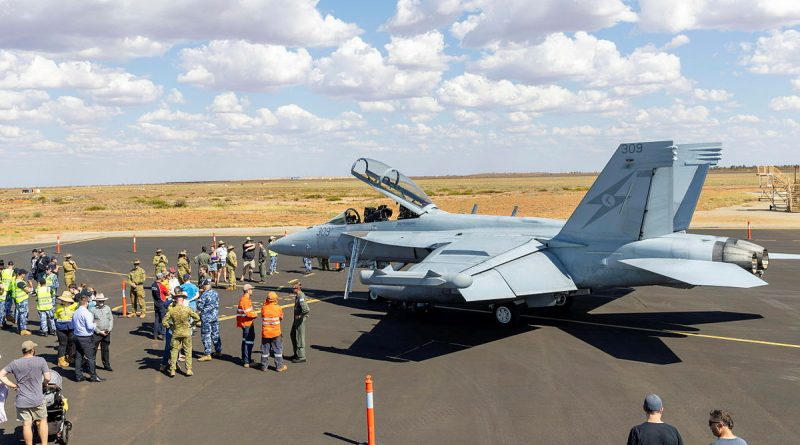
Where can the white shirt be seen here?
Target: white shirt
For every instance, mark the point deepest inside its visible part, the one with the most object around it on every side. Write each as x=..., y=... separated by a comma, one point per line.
x=222, y=253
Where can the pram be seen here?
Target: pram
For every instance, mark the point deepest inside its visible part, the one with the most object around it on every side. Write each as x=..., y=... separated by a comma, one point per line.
x=57, y=406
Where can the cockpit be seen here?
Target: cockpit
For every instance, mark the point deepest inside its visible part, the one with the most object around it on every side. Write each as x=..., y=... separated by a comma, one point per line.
x=390, y=182
x=349, y=216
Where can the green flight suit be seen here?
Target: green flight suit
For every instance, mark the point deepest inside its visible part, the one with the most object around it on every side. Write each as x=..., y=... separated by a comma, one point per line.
x=298, y=334
x=179, y=319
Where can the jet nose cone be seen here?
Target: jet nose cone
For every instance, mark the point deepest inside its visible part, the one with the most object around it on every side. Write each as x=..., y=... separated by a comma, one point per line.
x=293, y=244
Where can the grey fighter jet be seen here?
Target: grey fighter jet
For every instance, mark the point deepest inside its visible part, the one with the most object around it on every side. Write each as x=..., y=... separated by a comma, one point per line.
x=629, y=230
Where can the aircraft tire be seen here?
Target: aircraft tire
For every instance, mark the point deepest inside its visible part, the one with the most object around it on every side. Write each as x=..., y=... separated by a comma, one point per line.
x=506, y=314
x=565, y=308
x=372, y=297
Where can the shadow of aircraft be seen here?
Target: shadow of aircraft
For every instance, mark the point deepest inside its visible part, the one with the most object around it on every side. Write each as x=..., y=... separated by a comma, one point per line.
x=402, y=336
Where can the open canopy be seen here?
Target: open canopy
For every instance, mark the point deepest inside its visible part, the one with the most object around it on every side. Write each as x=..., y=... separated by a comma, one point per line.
x=392, y=183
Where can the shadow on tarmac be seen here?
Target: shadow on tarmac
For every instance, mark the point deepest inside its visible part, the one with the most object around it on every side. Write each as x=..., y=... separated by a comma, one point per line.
x=403, y=336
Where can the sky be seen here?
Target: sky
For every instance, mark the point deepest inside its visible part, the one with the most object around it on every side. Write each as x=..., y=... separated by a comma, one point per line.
x=124, y=91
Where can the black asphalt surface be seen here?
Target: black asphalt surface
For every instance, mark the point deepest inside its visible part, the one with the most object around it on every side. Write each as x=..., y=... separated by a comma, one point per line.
x=449, y=377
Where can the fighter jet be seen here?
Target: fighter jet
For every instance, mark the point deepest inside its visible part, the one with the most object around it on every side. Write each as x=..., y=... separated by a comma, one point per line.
x=628, y=231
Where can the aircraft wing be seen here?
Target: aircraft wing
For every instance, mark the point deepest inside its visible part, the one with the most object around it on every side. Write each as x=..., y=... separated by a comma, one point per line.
x=698, y=273
x=484, y=267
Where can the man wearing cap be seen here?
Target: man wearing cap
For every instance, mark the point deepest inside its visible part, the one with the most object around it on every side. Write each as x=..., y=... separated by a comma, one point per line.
x=273, y=259
x=298, y=333
x=244, y=320
x=248, y=259
x=160, y=262
x=271, y=339
x=69, y=266
x=103, y=324
x=65, y=308
x=263, y=259
x=31, y=374
x=231, y=264
x=160, y=293
x=208, y=307
x=136, y=278
x=654, y=431
x=184, y=268
x=179, y=318
x=20, y=292
x=222, y=256
x=83, y=324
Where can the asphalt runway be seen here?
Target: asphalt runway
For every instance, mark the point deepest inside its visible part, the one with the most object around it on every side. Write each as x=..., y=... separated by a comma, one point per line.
x=451, y=376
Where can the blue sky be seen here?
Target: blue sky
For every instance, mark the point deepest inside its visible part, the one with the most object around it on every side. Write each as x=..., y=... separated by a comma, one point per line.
x=95, y=92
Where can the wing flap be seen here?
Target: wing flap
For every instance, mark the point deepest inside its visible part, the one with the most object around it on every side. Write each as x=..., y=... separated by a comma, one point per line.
x=698, y=273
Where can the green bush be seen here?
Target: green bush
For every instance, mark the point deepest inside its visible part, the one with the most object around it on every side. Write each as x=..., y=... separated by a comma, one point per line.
x=180, y=203
x=37, y=214
x=94, y=208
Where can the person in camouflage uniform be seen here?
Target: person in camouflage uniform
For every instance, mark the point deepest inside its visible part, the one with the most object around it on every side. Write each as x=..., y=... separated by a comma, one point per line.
x=183, y=266
x=231, y=264
x=208, y=307
x=160, y=262
x=136, y=278
x=179, y=318
x=69, y=266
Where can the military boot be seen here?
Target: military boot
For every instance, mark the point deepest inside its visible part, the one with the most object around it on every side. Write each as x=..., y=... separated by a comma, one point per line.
x=62, y=362
x=205, y=358
x=24, y=332
x=189, y=373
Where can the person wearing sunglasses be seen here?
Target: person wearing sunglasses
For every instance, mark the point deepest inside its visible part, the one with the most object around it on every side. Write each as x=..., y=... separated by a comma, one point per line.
x=721, y=424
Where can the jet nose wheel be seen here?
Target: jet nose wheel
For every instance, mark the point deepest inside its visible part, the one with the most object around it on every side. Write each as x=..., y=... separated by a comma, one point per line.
x=374, y=297
x=506, y=314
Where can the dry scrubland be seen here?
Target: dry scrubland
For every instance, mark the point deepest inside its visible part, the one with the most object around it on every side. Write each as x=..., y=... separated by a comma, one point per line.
x=298, y=202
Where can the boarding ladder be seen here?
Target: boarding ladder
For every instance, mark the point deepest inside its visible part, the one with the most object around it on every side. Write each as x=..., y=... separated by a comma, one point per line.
x=779, y=189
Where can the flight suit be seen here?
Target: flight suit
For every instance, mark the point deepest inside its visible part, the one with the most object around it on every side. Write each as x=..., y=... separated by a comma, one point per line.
x=136, y=278
x=179, y=319
x=69, y=266
x=208, y=307
x=263, y=258
x=160, y=263
x=298, y=333
x=231, y=264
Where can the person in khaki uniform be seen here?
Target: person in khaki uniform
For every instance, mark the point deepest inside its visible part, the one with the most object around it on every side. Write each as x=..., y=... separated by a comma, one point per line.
x=183, y=266
x=69, y=266
x=231, y=263
x=136, y=278
x=160, y=262
x=179, y=318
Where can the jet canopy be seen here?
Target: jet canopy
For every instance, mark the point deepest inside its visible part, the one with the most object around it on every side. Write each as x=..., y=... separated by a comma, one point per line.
x=392, y=183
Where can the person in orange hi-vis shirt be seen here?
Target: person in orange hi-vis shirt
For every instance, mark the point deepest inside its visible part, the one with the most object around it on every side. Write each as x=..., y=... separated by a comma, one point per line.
x=271, y=340
x=244, y=321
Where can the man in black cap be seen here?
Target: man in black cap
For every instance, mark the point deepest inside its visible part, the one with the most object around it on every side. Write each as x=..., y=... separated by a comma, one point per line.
x=654, y=431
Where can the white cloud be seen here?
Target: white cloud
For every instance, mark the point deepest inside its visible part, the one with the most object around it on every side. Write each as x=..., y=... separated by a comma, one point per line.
x=744, y=118
x=244, y=66
x=228, y=103
x=162, y=132
x=677, y=41
x=678, y=114
x=712, y=95
x=744, y=15
x=358, y=70
x=521, y=21
x=423, y=51
x=106, y=85
x=419, y=129
x=150, y=27
x=293, y=117
x=468, y=117
x=376, y=107
x=68, y=110
x=417, y=16
x=585, y=58
x=175, y=97
x=778, y=53
x=785, y=103
x=475, y=91
x=796, y=84
x=426, y=104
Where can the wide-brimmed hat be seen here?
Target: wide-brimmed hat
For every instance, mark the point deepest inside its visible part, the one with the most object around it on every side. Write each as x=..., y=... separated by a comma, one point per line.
x=159, y=250
x=220, y=243
x=136, y=261
x=100, y=297
x=66, y=296
x=182, y=252
x=69, y=255
x=248, y=239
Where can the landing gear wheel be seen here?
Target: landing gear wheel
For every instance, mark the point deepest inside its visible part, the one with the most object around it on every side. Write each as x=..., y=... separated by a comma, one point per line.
x=372, y=297
x=506, y=314
x=565, y=307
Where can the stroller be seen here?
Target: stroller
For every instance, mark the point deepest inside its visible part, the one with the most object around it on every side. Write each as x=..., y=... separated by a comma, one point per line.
x=57, y=407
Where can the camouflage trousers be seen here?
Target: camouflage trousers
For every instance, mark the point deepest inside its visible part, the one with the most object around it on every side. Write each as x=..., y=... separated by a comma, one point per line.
x=209, y=332
x=177, y=344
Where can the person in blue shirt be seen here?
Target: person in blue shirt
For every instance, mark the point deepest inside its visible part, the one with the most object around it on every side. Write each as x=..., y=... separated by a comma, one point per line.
x=191, y=290
x=83, y=324
x=208, y=308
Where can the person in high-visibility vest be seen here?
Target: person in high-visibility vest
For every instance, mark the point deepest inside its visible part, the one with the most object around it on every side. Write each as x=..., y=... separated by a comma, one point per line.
x=244, y=320
x=271, y=339
x=7, y=278
x=66, y=343
x=44, y=304
x=20, y=292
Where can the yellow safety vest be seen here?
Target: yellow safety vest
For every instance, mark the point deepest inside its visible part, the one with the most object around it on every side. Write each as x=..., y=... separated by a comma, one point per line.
x=19, y=295
x=44, y=299
x=6, y=277
x=64, y=312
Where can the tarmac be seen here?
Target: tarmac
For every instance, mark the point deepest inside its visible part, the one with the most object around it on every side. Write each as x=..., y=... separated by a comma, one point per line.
x=450, y=376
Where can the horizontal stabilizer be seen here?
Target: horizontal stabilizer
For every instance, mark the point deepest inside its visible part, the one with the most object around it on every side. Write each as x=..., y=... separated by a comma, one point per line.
x=784, y=256
x=698, y=273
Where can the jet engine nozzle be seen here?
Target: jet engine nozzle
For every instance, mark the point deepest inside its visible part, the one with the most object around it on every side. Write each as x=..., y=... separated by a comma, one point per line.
x=747, y=255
